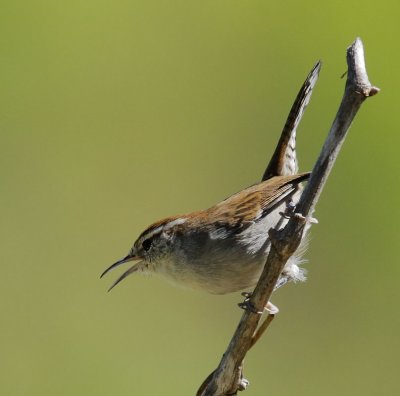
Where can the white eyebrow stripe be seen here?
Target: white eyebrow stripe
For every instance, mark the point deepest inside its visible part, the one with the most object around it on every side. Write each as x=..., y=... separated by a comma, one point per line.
x=153, y=232
x=174, y=223
x=166, y=226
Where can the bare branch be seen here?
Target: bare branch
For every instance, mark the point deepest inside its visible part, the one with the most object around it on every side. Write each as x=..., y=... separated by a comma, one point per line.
x=227, y=378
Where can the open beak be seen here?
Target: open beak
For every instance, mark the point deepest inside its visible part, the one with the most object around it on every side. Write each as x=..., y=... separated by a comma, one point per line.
x=126, y=259
x=119, y=262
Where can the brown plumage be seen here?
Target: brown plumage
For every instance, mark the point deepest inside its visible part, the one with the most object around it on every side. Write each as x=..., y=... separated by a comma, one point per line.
x=224, y=248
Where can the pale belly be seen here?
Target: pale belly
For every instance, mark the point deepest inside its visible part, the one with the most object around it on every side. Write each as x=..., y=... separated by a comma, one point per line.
x=224, y=261
x=224, y=265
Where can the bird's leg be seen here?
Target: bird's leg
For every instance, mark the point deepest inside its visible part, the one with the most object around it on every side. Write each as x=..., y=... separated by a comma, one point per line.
x=248, y=306
x=290, y=208
x=271, y=308
x=308, y=219
x=290, y=212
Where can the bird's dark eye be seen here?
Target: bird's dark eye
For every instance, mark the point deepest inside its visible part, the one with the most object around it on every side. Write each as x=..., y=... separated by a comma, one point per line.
x=146, y=244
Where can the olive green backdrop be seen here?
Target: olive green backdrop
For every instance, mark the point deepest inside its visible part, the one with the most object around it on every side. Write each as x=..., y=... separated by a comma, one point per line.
x=117, y=113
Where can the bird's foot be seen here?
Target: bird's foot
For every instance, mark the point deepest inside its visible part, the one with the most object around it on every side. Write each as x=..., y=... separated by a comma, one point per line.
x=248, y=306
x=290, y=211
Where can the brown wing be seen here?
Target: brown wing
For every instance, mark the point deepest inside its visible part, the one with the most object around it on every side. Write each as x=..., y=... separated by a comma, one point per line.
x=256, y=201
x=239, y=210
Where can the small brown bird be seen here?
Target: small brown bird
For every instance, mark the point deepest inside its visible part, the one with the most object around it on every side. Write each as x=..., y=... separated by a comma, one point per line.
x=223, y=249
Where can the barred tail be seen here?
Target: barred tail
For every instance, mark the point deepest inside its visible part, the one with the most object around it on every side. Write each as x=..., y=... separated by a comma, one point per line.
x=284, y=159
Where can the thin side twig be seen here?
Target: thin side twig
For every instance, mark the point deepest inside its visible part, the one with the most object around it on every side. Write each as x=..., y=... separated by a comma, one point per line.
x=261, y=330
x=227, y=379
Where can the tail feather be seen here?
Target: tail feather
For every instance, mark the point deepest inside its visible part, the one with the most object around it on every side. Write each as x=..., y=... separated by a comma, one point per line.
x=284, y=160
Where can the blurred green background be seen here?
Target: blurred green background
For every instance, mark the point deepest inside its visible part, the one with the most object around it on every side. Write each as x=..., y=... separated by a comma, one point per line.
x=117, y=113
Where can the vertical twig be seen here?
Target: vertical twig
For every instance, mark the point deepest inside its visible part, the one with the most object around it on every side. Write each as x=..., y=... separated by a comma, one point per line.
x=227, y=378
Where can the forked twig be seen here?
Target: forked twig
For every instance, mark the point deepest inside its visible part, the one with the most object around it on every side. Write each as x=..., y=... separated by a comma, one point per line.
x=261, y=330
x=227, y=379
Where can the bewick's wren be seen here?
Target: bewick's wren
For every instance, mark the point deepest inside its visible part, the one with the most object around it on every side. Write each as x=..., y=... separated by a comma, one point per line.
x=223, y=249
